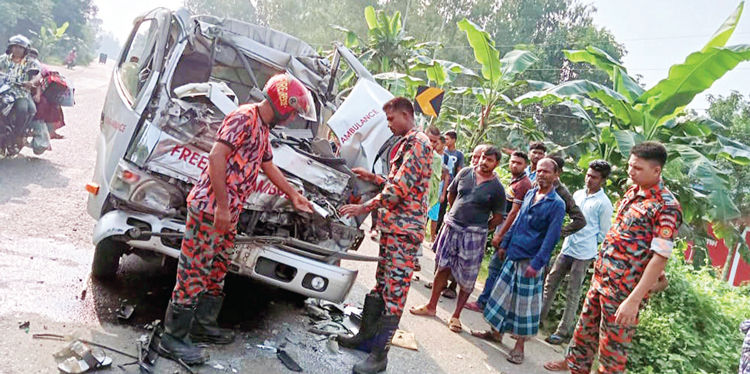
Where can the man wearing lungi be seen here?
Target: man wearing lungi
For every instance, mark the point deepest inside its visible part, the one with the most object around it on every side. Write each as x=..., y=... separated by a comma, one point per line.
x=402, y=213
x=516, y=299
x=474, y=195
x=580, y=249
x=633, y=255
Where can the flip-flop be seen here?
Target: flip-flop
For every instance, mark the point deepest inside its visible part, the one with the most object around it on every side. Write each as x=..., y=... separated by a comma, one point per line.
x=422, y=311
x=556, y=366
x=487, y=335
x=449, y=293
x=455, y=325
x=474, y=307
x=515, y=357
x=554, y=339
x=79, y=358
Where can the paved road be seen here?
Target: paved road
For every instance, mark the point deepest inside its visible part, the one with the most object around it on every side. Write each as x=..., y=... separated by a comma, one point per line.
x=45, y=257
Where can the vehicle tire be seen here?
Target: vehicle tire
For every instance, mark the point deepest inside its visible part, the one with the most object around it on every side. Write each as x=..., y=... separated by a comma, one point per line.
x=107, y=259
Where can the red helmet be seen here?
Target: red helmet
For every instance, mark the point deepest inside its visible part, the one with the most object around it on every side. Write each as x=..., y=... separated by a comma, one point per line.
x=288, y=96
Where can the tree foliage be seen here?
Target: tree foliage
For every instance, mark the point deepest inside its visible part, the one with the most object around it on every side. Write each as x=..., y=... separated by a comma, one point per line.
x=29, y=16
x=628, y=114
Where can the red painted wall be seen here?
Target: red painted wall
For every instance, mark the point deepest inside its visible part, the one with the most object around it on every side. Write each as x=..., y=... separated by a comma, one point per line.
x=717, y=251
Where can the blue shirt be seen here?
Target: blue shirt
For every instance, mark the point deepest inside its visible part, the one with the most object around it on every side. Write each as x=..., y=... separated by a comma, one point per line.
x=597, y=209
x=536, y=229
x=531, y=174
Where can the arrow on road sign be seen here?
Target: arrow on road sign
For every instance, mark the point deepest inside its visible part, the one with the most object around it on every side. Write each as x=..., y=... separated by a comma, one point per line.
x=429, y=100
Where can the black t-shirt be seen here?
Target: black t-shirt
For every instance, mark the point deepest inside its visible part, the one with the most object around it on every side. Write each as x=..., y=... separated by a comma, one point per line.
x=473, y=203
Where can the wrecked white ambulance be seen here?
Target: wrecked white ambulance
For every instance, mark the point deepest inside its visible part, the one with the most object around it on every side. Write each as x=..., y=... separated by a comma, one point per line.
x=176, y=78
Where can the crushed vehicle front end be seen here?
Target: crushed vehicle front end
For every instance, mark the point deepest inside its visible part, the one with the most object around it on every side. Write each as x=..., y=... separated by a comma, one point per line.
x=201, y=67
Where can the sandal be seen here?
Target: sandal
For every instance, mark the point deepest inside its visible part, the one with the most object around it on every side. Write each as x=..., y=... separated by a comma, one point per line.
x=488, y=335
x=516, y=357
x=79, y=358
x=449, y=293
x=455, y=325
x=474, y=307
x=556, y=366
x=554, y=339
x=422, y=311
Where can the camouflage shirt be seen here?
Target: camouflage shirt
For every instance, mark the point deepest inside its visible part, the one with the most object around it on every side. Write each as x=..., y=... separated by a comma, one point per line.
x=245, y=134
x=402, y=204
x=646, y=223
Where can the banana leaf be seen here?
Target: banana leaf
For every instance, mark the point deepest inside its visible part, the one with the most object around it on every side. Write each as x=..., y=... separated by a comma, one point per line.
x=516, y=62
x=722, y=35
x=623, y=83
x=699, y=71
x=484, y=50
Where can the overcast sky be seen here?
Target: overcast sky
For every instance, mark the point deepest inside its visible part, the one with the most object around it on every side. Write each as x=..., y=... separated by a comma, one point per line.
x=656, y=33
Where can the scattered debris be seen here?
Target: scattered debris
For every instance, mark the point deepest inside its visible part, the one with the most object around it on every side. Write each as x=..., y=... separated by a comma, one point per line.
x=83, y=294
x=24, y=326
x=125, y=310
x=78, y=357
x=218, y=366
x=333, y=345
x=405, y=339
x=288, y=361
x=460, y=357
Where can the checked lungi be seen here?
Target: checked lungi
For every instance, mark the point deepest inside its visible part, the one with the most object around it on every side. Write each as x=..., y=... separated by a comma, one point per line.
x=745, y=355
x=516, y=300
x=461, y=249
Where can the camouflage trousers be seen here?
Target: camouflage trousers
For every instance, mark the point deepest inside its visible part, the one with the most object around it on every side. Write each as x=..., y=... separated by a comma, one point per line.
x=203, y=261
x=597, y=332
x=393, y=277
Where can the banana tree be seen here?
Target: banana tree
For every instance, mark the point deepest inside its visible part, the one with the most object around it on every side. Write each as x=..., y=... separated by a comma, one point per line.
x=48, y=37
x=630, y=114
x=498, y=77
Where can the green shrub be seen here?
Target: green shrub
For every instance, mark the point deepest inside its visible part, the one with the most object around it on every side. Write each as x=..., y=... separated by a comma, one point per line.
x=692, y=326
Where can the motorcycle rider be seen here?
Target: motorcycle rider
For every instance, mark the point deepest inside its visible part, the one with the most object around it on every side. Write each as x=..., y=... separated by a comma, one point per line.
x=241, y=150
x=23, y=75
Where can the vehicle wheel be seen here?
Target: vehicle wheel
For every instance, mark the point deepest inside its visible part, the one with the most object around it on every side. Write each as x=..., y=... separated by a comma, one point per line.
x=107, y=259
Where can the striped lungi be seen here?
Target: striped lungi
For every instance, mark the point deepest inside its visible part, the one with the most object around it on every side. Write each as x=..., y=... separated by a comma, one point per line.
x=516, y=301
x=461, y=249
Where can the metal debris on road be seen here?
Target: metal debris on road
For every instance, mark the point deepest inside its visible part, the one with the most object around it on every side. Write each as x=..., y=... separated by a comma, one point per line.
x=333, y=345
x=288, y=361
x=125, y=310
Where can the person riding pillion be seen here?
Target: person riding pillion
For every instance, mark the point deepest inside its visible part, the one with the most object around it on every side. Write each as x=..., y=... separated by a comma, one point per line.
x=22, y=74
x=240, y=152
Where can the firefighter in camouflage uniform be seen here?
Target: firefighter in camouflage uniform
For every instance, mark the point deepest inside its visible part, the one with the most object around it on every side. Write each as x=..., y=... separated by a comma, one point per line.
x=240, y=152
x=401, y=218
x=633, y=256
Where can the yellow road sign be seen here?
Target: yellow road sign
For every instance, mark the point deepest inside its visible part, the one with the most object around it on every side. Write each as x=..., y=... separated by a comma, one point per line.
x=429, y=100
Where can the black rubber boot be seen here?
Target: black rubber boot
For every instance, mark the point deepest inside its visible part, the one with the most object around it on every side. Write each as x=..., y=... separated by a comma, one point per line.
x=205, y=328
x=371, y=313
x=377, y=361
x=175, y=342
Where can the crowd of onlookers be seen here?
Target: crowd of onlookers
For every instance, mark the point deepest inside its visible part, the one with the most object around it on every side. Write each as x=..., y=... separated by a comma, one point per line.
x=467, y=205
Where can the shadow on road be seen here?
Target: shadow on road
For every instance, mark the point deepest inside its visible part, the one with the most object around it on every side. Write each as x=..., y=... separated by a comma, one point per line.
x=21, y=172
x=148, y=285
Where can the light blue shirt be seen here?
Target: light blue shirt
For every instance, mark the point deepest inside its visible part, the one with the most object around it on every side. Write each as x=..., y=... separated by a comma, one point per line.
x=584, y=244
x=531, y=174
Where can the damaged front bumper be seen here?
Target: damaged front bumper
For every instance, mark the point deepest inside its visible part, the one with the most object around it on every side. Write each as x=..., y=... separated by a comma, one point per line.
x=287, y=263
